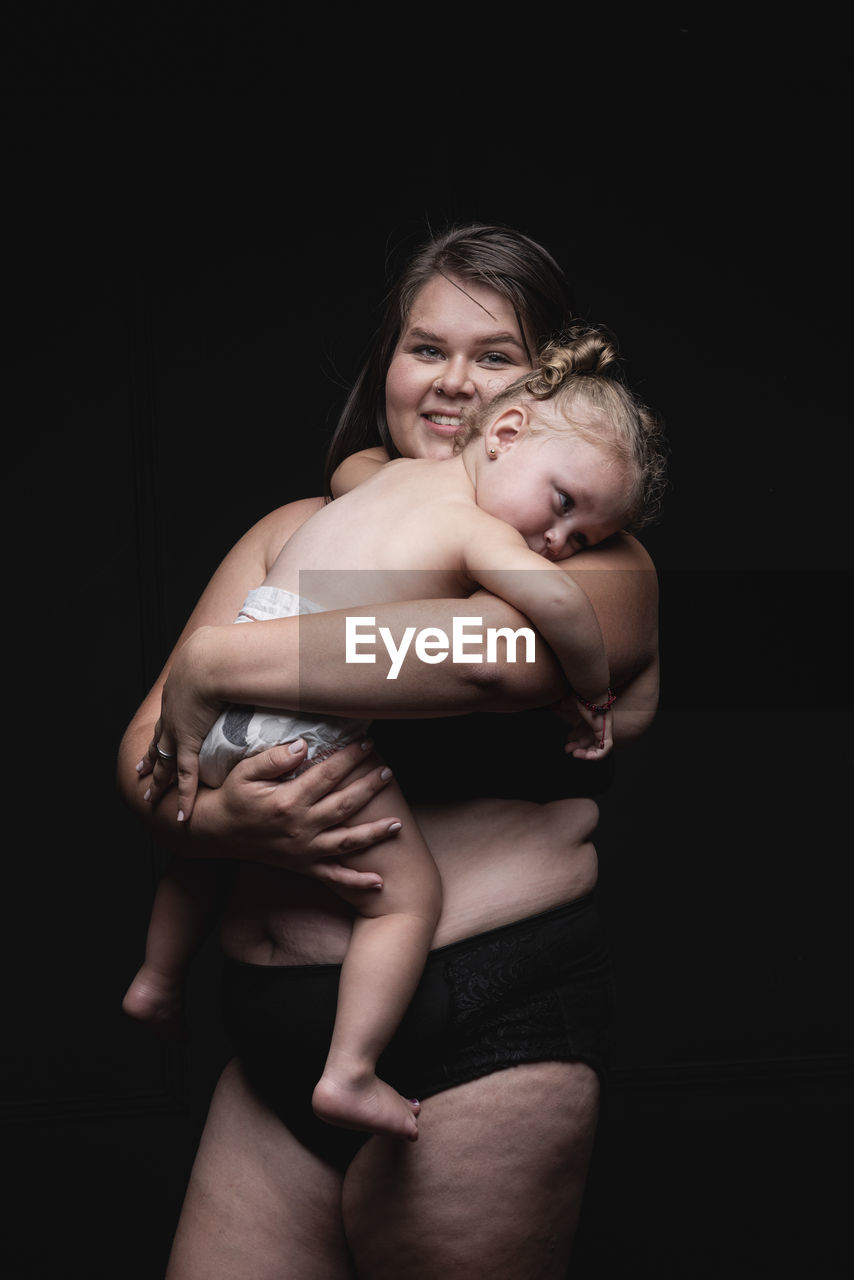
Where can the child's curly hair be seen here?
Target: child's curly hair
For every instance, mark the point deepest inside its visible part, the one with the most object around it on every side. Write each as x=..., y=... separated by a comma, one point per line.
x=582, y=367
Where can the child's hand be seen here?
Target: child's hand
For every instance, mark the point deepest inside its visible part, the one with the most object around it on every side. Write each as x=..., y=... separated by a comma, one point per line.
x=186, y=715
x=590, y=735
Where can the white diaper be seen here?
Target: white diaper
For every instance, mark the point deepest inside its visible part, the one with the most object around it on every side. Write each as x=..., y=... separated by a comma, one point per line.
x=247, y=731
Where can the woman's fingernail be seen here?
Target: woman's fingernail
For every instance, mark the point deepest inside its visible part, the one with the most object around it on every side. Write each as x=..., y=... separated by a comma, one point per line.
x=180, y=815
x=395, y=826
x=140, y=766
x=147, y=795
x=385, y=775
x=296, y=746
x=366, y=745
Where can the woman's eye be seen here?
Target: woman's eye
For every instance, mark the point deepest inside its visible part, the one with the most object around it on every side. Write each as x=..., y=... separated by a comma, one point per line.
x=495, y=357
x=429, y=353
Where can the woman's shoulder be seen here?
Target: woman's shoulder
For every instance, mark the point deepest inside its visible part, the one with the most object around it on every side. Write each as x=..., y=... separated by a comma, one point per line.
x=622, y=554
x=622, y=551
x=619, y=579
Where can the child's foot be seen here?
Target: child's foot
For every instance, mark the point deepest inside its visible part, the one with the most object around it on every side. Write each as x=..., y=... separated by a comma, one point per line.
x=368, y=1103
x=152, y=998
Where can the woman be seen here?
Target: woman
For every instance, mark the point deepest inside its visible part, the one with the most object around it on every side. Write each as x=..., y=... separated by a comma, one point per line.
x=494, y=1184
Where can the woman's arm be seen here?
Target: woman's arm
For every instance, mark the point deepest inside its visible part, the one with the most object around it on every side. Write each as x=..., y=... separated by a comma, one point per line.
x=244, y=567
x=256, y=815
x=302, y=663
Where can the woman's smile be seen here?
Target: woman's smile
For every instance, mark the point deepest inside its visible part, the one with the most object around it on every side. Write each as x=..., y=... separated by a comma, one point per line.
x=441, y=424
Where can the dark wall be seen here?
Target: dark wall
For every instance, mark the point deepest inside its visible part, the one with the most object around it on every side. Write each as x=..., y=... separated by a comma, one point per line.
x=191, y=280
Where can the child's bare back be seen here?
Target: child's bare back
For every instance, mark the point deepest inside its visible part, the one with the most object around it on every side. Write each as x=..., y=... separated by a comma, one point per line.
x=404, y=530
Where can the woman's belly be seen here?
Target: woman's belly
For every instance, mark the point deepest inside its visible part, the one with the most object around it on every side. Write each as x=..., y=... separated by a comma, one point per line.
x=499, y=860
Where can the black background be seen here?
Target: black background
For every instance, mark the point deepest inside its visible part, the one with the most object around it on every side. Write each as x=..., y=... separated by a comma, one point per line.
x=199, y=210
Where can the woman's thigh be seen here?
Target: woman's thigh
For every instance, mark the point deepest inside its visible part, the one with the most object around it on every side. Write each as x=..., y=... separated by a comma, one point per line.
x=259, y=1206
x=492, y=1188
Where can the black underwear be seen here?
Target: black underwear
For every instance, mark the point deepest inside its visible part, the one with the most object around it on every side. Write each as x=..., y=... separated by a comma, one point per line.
x=537, y=990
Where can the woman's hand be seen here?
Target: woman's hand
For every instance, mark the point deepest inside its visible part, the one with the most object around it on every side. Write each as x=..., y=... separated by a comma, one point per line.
x=296, y=824
x=187, y=713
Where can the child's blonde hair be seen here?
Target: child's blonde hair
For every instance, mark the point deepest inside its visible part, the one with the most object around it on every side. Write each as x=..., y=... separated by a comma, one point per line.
x=582, y=366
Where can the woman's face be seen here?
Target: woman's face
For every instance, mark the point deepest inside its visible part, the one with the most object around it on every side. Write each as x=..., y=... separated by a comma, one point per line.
x=460, y=345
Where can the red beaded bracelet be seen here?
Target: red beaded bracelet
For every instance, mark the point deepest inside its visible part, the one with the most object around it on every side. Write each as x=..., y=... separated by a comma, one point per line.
x=596, y=708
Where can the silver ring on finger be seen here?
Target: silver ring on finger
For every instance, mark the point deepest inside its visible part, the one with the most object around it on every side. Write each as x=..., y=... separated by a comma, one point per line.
x=165, y=756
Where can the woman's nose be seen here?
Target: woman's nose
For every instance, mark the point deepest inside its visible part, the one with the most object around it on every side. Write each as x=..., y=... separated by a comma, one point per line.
x=456, y=380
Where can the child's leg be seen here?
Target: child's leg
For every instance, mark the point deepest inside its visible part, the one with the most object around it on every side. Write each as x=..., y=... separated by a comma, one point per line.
x=385, y=959
x=180, y=918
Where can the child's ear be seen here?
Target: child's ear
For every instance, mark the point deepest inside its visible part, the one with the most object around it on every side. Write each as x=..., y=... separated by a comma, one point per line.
x=504, y=431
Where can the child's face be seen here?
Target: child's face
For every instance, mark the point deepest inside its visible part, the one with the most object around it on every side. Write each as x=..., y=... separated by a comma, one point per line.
x=461, y=338
x=561, y=491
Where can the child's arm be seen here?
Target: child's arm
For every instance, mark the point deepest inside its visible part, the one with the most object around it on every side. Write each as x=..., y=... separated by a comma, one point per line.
x=355, y=469
x=559, y=610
